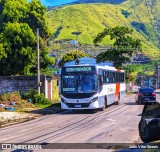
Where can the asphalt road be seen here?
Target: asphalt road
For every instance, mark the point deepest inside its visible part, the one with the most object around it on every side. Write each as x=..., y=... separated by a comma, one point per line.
x=117, y=124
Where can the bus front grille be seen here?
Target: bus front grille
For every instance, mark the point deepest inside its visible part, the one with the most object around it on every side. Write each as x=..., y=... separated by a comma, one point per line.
x=76, y=105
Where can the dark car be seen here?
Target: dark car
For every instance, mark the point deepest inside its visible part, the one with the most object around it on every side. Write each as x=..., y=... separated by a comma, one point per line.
x=145, y=94
x=149, y=125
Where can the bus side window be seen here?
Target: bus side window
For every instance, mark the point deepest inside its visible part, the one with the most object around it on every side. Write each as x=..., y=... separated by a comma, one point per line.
x=121, y=77
x=116, y=76
x=104, y=76
x=107, y=76
x=111, y=76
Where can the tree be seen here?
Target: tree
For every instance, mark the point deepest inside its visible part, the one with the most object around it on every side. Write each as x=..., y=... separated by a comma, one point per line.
x=36, y=18
x=18, y=23
x=70, y=56
x=123, y=47
x=20, y=55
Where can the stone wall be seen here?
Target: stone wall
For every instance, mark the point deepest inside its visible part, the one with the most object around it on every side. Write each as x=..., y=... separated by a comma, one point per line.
x=20, y=83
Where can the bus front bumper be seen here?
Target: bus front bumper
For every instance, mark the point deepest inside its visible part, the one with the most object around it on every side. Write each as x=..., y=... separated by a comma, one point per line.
x=94, y=105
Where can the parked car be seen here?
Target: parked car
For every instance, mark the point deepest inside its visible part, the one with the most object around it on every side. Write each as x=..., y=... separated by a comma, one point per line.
x=145, y=94
x=149, y=125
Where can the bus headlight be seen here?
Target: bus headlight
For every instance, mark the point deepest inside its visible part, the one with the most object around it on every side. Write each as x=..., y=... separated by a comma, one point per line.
x=64, y=101
x=93, y=100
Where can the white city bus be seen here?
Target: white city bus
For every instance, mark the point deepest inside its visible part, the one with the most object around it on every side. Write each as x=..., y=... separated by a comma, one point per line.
x=90, y=86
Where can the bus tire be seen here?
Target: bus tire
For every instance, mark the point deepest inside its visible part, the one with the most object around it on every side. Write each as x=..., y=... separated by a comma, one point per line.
x=105, y=105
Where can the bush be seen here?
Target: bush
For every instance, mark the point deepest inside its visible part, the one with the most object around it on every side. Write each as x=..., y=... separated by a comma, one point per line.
x=41, y=99
x=36, y=98
x=30, y=95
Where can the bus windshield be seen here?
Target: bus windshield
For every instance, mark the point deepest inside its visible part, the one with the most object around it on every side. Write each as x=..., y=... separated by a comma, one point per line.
x=79, y=83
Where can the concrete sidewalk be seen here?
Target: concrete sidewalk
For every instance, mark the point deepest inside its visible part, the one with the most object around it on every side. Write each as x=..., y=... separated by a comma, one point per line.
x=11, y=118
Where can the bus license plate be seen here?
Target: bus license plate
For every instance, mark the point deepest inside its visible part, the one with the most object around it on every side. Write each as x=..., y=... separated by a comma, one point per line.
x=77, y=106
x=146, y=99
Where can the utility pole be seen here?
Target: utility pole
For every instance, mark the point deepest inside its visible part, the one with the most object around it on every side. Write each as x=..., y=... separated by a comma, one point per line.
x=77, y=60
x=38, y=64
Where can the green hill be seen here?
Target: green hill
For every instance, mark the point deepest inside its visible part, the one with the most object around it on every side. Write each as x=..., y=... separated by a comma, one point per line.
x=85, y=21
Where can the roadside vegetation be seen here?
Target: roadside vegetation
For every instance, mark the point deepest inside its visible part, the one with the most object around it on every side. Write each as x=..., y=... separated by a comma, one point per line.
x=14, y=102
x=134, y=70
x=31, y=100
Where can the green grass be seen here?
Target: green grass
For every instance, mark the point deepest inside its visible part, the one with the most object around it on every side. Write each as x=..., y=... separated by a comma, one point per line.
x=41, y=106
x=54, y=105
x=90, y=19
x=38, y=106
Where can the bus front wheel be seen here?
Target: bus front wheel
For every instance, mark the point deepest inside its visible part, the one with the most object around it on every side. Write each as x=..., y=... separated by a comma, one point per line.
x=105, y=105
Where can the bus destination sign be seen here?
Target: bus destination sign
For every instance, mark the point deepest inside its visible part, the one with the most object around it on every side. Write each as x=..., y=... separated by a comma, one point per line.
x=78, y=69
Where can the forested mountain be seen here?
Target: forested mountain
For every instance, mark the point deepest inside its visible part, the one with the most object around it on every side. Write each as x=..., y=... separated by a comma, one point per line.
x=85, y=21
